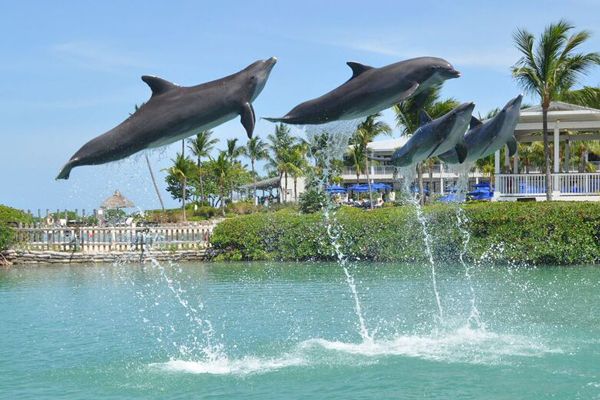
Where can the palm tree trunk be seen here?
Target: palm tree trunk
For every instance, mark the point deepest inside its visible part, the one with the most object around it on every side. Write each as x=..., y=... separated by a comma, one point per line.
x=281, y=198
x=254, y=179
x=295, y=189
x=183, y=198
x=430, y=166
x=162, y=205
x=222, y=192
x=286, y=187
x=420, y=183
x=369, y=183
x=546, y=152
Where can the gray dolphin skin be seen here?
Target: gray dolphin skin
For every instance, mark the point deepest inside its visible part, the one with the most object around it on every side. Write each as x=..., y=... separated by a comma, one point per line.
x=176, y=112
x=371, y=90
x=485, y=138
x=434, y=137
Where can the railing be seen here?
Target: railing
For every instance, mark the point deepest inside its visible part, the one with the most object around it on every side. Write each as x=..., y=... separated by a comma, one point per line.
x=113, y=239
x=535, y=184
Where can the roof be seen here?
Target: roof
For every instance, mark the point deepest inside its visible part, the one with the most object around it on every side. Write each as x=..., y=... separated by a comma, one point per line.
x=117, y=200
x=265, y=183
x=566, y=116
x=388, y=146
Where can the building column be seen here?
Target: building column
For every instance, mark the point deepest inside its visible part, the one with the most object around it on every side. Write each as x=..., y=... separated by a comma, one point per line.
x=497, y=192
x=516, y=162
x=556, y=180
x=507, y=162
x=567, y=165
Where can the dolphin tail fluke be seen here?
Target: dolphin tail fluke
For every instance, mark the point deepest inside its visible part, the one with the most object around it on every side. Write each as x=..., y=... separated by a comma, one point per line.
x=461, y=152
x=270, y=119
x=65, y=172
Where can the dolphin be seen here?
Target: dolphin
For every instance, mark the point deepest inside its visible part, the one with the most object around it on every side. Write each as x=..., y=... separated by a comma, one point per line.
x=484, y=138
x=371, y=90
x=434, y=137
x=176, y=112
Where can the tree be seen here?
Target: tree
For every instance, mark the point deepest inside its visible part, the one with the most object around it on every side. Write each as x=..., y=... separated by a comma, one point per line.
x=256, y=149
x=233, y=150
x=364, y=134
x=282, y=143
x=550, y=68
x=355, y=158
x=227, y=176
x=177, y=179
x=407, y=118
x=201, y=146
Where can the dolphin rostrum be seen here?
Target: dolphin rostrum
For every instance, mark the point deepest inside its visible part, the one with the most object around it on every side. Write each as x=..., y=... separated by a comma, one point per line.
x=371, y=90
x=435, y=137
x=484, y=138
x=176, y=112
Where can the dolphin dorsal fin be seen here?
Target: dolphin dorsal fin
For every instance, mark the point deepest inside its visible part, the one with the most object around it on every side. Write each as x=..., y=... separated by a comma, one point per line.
x=474, y=122
x=424, y=118
x=158, y=85
x=357, y=68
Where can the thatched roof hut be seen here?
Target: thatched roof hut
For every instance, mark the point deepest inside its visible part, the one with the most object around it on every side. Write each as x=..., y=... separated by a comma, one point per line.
x=116, y=201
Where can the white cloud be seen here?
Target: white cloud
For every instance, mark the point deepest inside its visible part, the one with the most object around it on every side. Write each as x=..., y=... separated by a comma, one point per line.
x=96, y=55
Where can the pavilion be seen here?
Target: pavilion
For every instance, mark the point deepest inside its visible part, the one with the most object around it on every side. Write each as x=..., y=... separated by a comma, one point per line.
x=569, y=123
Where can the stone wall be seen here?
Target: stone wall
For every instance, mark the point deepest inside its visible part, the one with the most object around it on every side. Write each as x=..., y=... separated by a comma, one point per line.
x=57, y=257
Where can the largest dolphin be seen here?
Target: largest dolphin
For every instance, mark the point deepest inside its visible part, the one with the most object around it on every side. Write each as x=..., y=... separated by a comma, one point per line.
x=371, y=90
x=485, y=138
x=176, y=112
x=435, y=137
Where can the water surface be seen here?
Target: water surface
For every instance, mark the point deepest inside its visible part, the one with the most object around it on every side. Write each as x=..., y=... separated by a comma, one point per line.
x=290, y=331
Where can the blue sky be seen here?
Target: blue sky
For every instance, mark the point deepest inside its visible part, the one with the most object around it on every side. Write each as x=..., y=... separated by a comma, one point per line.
x=71, y=70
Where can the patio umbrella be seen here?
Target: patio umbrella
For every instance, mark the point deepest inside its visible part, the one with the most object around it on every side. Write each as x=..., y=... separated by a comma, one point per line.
x=359, y=188
x=381, y=186
x=117, y=201
x=335, y=189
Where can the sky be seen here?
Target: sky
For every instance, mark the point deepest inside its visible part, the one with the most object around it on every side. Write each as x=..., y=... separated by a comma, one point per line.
x=70, y=70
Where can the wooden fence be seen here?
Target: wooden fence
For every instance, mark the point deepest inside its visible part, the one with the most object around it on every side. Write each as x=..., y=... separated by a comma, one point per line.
x=93, y=239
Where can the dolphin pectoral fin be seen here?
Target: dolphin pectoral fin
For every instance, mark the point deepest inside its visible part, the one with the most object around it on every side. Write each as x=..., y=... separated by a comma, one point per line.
x=248, y=119
x=65, y=171
x=408, y=92
x=461, y=152
x=158, y=85
x=434, y=149
x=357, y=68
x=512, y=146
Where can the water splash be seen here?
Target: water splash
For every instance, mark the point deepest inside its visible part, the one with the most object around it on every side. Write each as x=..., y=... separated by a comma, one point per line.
x=336, y=135
x=462, y=185
x=408, y=174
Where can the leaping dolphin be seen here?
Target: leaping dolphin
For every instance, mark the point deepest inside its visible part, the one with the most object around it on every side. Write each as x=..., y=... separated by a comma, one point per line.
x=371, y=90
x=435, y=137
x=176, y=112
x=484, y=138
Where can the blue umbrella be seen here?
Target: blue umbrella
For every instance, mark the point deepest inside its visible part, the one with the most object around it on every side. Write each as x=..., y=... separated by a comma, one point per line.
x=335, y=189
x=381, y=186
x=359, y=188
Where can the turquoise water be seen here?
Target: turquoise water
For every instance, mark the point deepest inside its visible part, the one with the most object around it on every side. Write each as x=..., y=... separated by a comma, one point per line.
x=290, y=331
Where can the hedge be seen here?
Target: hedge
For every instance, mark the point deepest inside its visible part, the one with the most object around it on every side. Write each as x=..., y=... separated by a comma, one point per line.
x=557, y=233
x=9, y=216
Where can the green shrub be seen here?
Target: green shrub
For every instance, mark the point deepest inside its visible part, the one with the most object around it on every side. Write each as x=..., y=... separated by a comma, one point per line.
x=312, y=200
x=10, y=216
x=206, y=212
x=539, y=233
x=241, y=207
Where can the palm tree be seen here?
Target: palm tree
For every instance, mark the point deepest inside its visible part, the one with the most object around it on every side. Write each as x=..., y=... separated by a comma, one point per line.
x=407, y=118
x=256, y=149
x=222, y=167
x=550, y=68
x=201, y=146
x=282, y=143
x=364, y=134
x=299, y=164
x=181, y=169
x=233, y=150
x=356, y=159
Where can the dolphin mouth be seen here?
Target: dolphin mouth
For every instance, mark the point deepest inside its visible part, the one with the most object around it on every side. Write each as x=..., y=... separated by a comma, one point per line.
x=454, y=73
x=271, y=62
